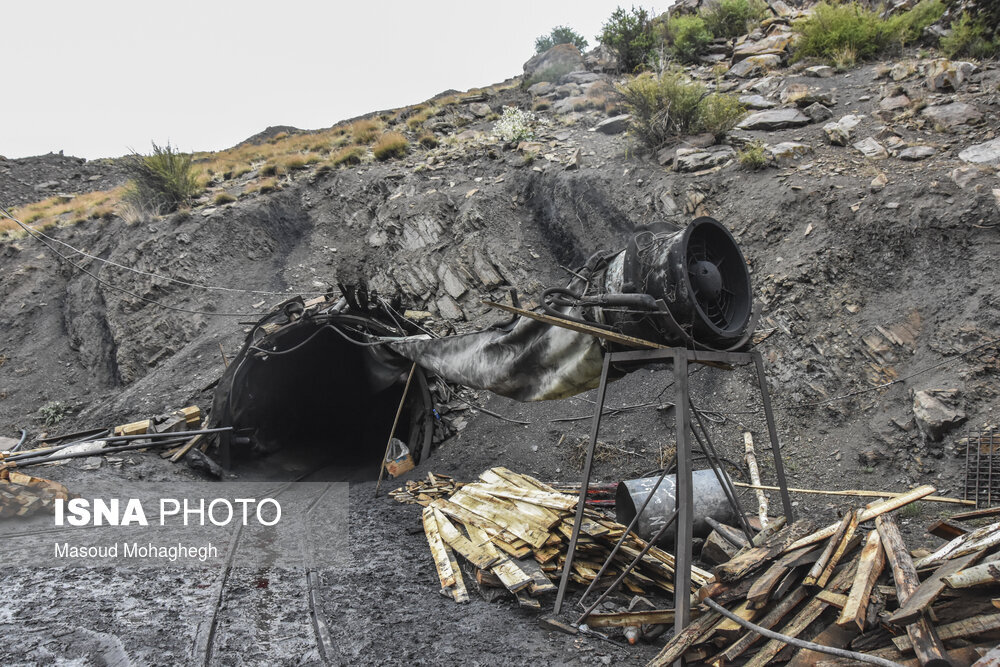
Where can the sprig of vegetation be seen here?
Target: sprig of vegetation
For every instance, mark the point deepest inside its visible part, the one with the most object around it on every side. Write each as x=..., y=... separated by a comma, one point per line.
x=969, y=37
x=752, y=156
x=560, y=35
x=732, y=18
x=667, y=106
x=161, y=181
x=630, y=35
x=688, y=37
x=390, y=145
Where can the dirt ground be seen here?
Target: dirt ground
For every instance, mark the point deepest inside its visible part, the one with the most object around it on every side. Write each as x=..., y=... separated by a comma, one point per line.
x=833, y=262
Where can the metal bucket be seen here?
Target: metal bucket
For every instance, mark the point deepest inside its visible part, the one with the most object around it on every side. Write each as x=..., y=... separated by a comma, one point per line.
x=709, y=501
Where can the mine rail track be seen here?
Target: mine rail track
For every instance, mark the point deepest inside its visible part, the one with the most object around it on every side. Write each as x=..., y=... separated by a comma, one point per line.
x=204, y=649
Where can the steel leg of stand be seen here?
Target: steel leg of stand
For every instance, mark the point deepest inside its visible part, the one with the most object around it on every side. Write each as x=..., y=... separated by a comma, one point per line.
x=684, y=500
x=584, y=485
x=779, y=466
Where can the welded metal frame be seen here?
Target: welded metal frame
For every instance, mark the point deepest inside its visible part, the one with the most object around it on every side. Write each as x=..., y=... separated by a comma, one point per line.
x=680, y=358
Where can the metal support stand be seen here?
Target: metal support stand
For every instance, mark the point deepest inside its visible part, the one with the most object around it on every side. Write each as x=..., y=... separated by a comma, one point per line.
x=683, y=517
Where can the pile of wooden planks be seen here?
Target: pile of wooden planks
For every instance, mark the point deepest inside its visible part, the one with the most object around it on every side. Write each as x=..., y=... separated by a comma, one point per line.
x=831, y=587
x=514, y=532
x=23, y=495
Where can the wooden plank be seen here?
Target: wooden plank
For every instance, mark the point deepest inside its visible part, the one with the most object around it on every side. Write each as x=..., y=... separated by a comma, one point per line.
x=441, y=560
x=681, y=642
x=729, y=628
x=499, y=514
x=842, y=548
x=977, y=575
x=870, y=566
x=946, y=530
x=964, y=628
x=831, y=546
x=556, y=501
x=473, y=553
x=929, y=590
x=838, y=600
x=867, y=514
x=833, y=635
x=754, y=558
x=458, y=591
x=185, y=447
x=466, y=517
x=626, y=619
x=762, y=589
x=512, y=577
x=856, y=493
x=977, y=540
x=975, y=514
x=923, y=636
x=809, y=613
x=717, y=550
x=768, y=621
x=751, y=460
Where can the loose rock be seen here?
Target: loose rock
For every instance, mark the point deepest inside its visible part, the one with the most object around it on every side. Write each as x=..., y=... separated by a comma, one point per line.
x=914, y=153
x=935, y=412
x=987, y=153
x=952, y=115
x=696, y=159
x=777, y=119
x=613, y=125
x=872, y=149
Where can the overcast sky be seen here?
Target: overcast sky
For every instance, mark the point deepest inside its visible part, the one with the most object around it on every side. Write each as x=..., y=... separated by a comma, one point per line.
x=96, y=78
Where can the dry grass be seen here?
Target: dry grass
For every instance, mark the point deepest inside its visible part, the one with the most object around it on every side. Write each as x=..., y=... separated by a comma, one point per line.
x=347, y=156
x=64, y=210
x=365, y=131
x=427, y=140
x=390, y=145
x=264, y=186
x=223, y=198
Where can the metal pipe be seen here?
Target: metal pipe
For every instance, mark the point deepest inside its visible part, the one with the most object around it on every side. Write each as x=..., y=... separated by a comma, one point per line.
x=31, y=453
x=97, y=452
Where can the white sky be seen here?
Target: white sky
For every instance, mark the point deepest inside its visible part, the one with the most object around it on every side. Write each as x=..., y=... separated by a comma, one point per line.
x=97, y=78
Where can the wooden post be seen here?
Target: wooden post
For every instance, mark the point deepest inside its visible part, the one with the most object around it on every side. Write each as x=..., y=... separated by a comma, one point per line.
x=751, y=460
x=395, y=422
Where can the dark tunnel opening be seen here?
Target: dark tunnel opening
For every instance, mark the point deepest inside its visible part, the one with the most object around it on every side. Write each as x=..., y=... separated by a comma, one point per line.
x=321, y=401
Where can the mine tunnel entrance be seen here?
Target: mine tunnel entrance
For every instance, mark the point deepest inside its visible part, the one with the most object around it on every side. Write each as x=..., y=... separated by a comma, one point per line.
x=314, y=396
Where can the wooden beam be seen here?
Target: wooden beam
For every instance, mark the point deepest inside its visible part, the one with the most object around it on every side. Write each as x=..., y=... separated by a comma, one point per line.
x=867, y=514
x=596, y=332
x=923, y=636
x=680, y=643
x=627, y=619
x=831, y=546
x=975, y=514
x=441, y=560
x=751, y=460
x=929, y=590
x=963, y=628
x=756, y=557
x=860, y=493
x=977, y=575
x=945, y=529
x=769, y=620
x=980, y=538
x=832, y=635
x=846, y=545
x=870, y=566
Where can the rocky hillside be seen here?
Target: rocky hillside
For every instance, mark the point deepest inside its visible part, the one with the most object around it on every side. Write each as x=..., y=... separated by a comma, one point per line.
x=870, y=231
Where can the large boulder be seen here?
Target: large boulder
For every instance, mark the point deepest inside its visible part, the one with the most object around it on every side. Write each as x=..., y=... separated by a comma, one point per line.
x=778, y=119
x=985, y=154
x=613, y=125
x=839, y=133
x=696, y=159
x=948, y=116
x=948, y=74
x=776, y=43
x=754, y=66
x=552, y=64
x=601, y=58
x=936, y=412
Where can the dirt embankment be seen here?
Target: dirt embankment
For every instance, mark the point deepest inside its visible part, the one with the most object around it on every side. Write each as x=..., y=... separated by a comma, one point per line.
x=860, y=285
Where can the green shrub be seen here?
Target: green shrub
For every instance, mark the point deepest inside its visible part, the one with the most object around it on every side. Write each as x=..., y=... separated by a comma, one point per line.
x=160, y=182
x=752, y=156
x=718, y=113
x=630, y=36
x=688, y=37
x=560, y=35
x=224, y=198
x=969, y=38
x=907, y=27
x=670, y=105
x=390, y=145
x=732, y=18
x=849, y=28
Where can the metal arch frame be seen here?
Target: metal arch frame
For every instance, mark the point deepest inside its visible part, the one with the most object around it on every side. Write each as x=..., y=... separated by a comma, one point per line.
x=680, y=358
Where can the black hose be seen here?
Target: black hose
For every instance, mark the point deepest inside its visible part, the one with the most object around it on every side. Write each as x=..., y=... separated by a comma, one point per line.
x=24, y=436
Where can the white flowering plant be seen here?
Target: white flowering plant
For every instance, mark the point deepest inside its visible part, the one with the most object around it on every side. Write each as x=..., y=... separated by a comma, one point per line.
x=514, y=125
